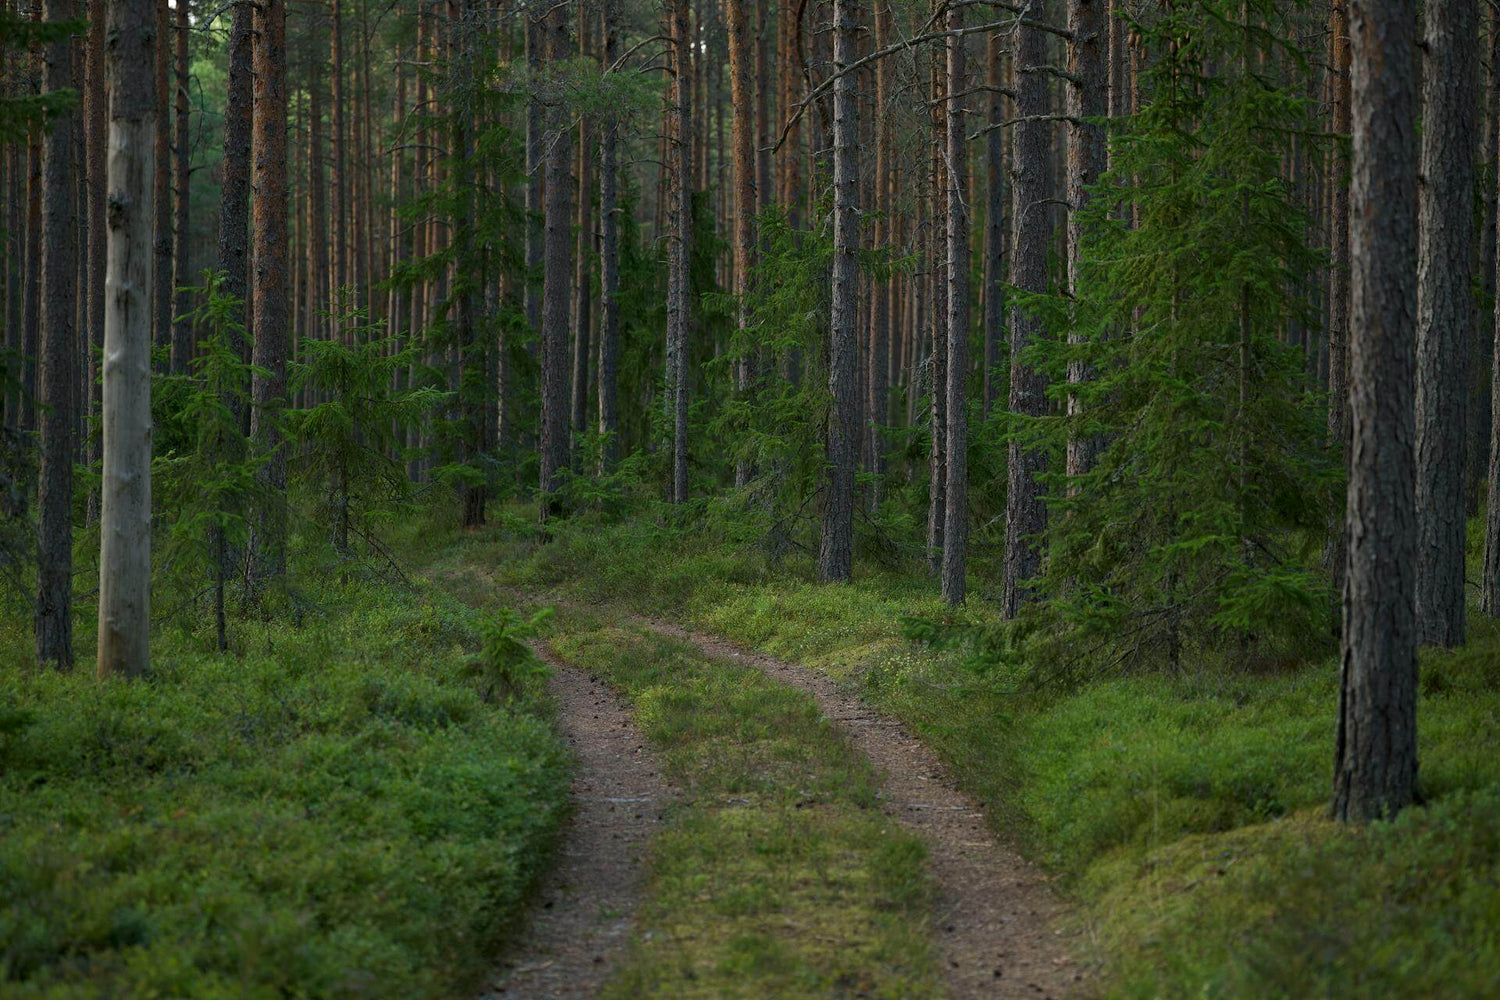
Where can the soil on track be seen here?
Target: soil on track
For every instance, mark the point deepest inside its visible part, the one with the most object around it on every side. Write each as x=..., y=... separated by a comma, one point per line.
x=996, y=916
x=580, y=918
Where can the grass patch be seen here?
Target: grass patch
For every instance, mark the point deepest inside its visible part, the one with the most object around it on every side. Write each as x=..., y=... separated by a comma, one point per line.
x=336, y=813
x=1184, y=813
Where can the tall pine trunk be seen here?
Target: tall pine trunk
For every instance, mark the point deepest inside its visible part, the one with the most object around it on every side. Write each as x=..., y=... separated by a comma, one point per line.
x=161, y=295
x=609, y=262
x=1087, y=102
x=269, y=302
x=1375, y=763
x=741, y=57
x=56, y=381
x=679, y=299
x=836, y=540
x=1031, y=184
x=125, y=502
x=96, y=137
x=182, y=330
x=956, y=433
x=1445, y=313
x=558, y=271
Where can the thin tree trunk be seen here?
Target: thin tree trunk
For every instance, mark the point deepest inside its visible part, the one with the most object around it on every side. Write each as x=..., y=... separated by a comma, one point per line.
x=836, y=540
x=182, y=330
x=609, y=263
x=340, y=179
x=162, y=275
x=583, y=282
x=956, y=504
x=1087, y=101
x=679, y=301
x=125, y=504
x=474, y=354
x=1445, y=313
x=741, y=57
x=994, y=220
x=535, y=44
x=1375, y=763
x=57, y=375
x=1338, y=274
x=878, y=357
x=1031, y=180
x=96, y=133
x=937, y=283
x=558, y=274
x=269, y=304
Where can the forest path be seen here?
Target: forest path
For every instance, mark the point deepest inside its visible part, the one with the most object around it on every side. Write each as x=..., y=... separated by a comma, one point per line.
x=995, y=915
x=580, y=918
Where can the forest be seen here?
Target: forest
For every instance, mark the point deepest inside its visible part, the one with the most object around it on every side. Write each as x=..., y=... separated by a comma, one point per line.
x=749, y=498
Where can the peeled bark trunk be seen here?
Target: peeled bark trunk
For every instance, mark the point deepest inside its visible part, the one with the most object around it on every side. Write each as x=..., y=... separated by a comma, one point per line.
x=182, y=330
x=269, y=304
x=1031, y=181
x=836, y=540
x=125, y=502
x=1087, y=101
x=609, y=264
x=956, y=506
x=556, y=290
x=1375, y=764
x=1445, y=314
x=57, y=379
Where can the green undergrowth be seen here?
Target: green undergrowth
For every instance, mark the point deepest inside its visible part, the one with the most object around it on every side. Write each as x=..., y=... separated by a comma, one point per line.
x=341, y=810
x=1184, y=814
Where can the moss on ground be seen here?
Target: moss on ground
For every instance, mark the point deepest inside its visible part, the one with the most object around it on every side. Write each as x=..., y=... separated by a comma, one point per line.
x=337, y=812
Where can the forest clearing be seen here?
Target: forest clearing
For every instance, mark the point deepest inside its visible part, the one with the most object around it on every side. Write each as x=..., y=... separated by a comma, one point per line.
x=749, y=498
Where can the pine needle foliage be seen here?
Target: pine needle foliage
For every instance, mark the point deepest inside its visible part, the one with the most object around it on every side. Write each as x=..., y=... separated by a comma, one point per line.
x=1201, y=518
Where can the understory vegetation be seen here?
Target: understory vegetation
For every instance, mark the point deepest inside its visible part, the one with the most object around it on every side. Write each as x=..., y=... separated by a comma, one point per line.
x=1186, y=812
x=340, y=807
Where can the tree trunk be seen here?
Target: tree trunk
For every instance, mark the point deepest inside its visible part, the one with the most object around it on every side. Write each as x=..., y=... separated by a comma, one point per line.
x=937, y=283
x=162, y=275
x=956, y=504
x=340, y=179
x=536, y=42
x=878, y=360
x=679, y=299
x=1375, y=764
x=1338, y=274
x=269, y=304
x=182, y=330
x=583, y=283
x=1031, y=182
x=836, y=540
x=125, y=503
x=994, y=220
x=234, y=202
x=558, y=274
x=473, y=384
x=741, y=58
x=96, y=136
x=609, y=263
x=1445, y=313
x=1087, y=101
x=57, y=375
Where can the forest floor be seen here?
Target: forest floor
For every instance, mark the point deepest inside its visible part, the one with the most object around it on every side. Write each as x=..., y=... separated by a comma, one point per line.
x=992, y=917
x=1177, y=823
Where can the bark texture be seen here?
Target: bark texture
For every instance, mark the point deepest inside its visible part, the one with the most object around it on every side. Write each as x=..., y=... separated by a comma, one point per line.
x=679, y=299
x=1338, y=271
x=956, y=509
x=182, y=330
x=1031, y=183
x=836, y=539
x=270, y=300
x=609, y=262
x=1375, y=769
x=161, y=294
x=1445, y=313
x=1088, y=99
x=56, y=376
x=125, y=502
x=558, y=272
